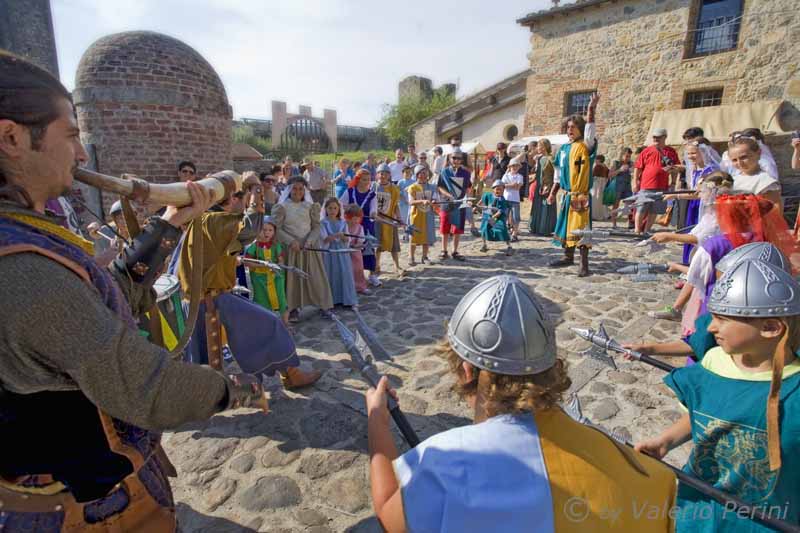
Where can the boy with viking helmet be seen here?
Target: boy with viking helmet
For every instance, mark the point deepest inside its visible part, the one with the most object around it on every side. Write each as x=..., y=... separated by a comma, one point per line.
x=744, y=445
x=576, y=160
x=524, y=464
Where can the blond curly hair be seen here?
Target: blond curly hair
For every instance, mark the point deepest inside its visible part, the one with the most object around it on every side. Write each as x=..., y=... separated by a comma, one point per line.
x=506, y=394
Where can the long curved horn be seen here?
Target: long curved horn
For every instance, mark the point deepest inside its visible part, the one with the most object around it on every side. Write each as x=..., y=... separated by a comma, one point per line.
x=222, y=185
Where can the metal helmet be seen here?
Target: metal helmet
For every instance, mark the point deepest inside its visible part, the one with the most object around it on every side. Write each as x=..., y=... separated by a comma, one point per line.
x=116, y=207
x=500, y=326
x=753, y=288
x=419, y=168
x=761, y=251
x=383, y=167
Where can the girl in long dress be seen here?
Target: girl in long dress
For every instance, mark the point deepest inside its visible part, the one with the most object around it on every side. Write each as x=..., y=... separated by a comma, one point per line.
x=363, y=195
x=701, y=156
x=297, y=218
x=543, y=215
x=420, y=196
x=337, y=265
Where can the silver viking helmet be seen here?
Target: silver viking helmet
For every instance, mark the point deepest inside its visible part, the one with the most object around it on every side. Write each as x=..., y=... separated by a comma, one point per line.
x=761, y=251
x=753, y=288
x=383, y=167
x=500, y=326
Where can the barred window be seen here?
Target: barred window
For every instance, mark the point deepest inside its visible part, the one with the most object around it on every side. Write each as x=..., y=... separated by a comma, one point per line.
x=577, y=103
x=717, y=27
x=704, y=98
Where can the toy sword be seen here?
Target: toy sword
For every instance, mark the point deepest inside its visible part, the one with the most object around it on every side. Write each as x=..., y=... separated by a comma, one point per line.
x=386, y=219
x=602, y=343
x=459, y=204
x=644, y=271
x=366, y=237
x=753, y=512
x=275, y=267
x=325, y=250
x=371, y=375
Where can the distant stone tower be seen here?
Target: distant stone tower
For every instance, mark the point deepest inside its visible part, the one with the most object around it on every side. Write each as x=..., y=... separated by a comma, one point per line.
x=415, y=87
x=448, y=88
x=26, y=29
x=146, y=101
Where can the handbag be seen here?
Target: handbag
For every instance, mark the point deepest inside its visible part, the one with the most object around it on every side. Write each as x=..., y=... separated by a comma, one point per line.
x=610, y=192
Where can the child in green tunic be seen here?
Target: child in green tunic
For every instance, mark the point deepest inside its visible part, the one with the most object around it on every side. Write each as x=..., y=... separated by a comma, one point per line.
x=495, y=214
x=742, y=401
x=269, y=287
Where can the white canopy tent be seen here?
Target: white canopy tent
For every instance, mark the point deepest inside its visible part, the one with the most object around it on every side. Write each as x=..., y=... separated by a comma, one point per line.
x=471, y=148
x=555, y=140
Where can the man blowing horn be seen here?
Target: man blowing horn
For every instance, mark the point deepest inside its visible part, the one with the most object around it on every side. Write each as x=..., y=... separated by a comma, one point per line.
x=83, y=396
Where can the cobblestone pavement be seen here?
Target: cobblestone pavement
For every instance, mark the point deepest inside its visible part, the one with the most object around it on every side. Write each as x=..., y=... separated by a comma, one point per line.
x=304, y=466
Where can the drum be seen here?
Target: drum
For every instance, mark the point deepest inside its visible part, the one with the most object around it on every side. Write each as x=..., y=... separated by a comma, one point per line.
x=171, y=319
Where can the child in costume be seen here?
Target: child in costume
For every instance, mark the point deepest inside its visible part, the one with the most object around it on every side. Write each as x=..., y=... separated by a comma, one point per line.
x=337, y=265
x=420, y=196
x=743, y=445
x=522, y=462
x=407, y=181
x=513, y=182
x=268, y=287
x=696, y=344
x=388, y=196
x=363, y=195
x=353, y=214
x=495, y=214
x=750, y=177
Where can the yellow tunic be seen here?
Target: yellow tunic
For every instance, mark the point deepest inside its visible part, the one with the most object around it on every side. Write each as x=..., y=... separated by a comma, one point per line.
x=387, y=197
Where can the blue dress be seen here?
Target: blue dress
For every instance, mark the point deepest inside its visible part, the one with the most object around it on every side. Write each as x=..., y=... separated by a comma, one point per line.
x=338, y=266
x=727, y=409
x=366, y=201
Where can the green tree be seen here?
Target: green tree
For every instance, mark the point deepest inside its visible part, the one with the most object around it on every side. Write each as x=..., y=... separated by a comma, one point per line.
x=246, y=135
x=397, y=119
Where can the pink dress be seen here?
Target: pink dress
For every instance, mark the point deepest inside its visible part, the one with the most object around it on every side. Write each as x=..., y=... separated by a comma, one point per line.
x=355, y=228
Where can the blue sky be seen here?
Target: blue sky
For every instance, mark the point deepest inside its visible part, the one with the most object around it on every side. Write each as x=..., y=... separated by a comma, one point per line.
x=347, y=55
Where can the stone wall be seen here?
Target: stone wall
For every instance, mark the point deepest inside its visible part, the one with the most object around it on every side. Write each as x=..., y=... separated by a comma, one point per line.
x=26, y=29
x=425, y=135
x=636, y=54
x=415, y=87
x=147, y=101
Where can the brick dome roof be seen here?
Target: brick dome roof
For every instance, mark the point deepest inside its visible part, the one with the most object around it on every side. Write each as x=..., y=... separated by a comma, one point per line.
x=149, y=67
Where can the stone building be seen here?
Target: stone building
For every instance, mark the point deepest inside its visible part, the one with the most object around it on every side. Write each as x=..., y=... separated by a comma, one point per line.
x=146, y=101
x=719, y=64
x=489, y=116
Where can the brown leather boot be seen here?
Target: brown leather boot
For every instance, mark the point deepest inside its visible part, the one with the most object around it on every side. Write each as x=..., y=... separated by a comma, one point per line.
x=294, y=378
x=567, y=260
x=584, y=271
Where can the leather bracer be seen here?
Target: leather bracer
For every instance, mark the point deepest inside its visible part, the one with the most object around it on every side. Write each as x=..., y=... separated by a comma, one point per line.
x=143, y=258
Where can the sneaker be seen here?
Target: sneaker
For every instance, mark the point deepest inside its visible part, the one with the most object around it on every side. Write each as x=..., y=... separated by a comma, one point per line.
x=475, y=232
x=514, y=239
x=484, y=248
x=365, y=292
x=667, y=313
x=374, y=280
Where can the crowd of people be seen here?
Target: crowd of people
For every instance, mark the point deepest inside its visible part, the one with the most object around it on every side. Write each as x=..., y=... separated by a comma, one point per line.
x=86, y=356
